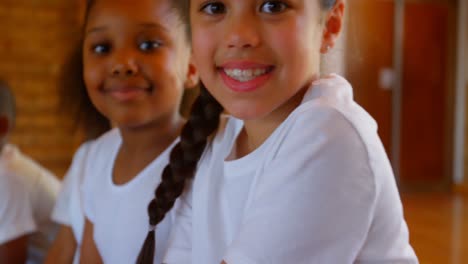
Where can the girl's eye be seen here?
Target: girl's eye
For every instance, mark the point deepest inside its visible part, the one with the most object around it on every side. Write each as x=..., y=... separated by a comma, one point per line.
x=101, y=48
x=272, y=7
x=149, y=45
x=214, y=8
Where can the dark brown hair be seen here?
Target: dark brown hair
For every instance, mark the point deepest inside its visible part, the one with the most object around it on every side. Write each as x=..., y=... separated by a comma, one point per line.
x=74, y=99
x=184, y=157
x=202, y=122
x=7, y=102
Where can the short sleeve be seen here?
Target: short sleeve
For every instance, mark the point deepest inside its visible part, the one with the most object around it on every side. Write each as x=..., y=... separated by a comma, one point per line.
x=15, y=209
x=70, y=188
x=180, y=240
x=314, y=200
x=98, y=165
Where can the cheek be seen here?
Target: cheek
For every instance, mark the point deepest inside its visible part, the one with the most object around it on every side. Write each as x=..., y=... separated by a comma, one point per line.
x=299, y=47
x=203, y=59
x=202, y=47
x=91, y=74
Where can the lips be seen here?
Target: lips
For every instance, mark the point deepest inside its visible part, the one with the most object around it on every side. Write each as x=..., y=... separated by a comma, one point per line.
x=245, y=76
x=127, y=93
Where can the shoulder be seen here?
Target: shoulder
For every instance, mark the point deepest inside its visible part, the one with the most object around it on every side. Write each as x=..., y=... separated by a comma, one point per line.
x=82, y=150
x=328, y=111
x=10, y=185
x=103, y=145
x=109, y=137
x=318, y=125
x=99, y=156
x=329, y=128
x=28, y=170
x=75, y=171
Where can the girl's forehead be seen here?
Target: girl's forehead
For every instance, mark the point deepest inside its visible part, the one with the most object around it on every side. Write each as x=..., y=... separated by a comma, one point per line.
x=105, y=12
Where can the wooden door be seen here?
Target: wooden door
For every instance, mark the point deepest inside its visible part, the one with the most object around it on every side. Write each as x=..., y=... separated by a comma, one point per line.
x=426, y=104
x=426, y=108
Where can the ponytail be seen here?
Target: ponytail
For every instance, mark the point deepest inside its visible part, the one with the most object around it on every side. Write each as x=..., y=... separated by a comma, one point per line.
x=183, y=160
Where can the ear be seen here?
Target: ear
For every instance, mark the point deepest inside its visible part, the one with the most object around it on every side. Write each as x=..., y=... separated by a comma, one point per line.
x=333, y=26
x=192, y=77
x=4, y=126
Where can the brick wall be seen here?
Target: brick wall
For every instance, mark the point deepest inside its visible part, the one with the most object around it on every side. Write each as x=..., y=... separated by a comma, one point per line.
x=34, y=38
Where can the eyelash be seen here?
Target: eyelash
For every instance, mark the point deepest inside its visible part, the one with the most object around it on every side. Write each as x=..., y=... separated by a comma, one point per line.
x=205, y=7
x=100, y=48
x=283, y=5
x=104, y=48
x=153, y=45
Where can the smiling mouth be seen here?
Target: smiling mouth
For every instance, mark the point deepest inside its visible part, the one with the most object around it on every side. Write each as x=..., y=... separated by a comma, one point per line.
x=124, y=89
x=128, y=93
x=246, y=75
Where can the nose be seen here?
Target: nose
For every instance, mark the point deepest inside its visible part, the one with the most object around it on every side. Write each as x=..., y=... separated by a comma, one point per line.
x=243, y=32
x=124, y=65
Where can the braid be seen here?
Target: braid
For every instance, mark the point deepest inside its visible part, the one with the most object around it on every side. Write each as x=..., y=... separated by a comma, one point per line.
x=184, y=157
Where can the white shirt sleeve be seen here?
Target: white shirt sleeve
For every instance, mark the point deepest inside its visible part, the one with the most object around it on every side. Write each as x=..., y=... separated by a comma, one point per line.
x=70, y=188
x=16, y=213
x=314, y=201
x=180, y=240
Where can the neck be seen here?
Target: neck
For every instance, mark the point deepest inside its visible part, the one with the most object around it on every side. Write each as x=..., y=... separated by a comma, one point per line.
x=141, y=145
x=256, y=131
x=150, y=138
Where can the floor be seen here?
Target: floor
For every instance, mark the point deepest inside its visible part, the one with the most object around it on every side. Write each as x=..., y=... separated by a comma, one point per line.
x=438, y=225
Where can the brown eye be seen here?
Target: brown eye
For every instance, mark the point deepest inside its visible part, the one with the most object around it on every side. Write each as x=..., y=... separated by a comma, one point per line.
x=101, y=49
x=214, y=8
x=272, y=7
x=149, y=45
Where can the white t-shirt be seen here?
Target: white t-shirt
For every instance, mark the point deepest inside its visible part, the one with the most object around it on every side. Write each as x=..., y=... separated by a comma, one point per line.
x=119, y=212
x=27, y=195
x=68, y=208
x=320, y=189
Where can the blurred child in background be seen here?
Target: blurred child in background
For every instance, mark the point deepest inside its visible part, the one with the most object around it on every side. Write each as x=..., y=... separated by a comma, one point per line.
x=27, y=195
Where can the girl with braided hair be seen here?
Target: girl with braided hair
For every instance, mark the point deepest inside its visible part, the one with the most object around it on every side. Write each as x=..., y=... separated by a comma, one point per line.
x=296, y=172
x=136, y=65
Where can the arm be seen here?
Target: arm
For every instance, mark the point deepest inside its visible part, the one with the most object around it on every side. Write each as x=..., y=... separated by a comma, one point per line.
x=64, y=247
x=89, y=253
x=14, y=251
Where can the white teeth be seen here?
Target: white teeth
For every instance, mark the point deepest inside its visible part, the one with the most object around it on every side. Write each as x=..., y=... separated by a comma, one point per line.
x=244, y=75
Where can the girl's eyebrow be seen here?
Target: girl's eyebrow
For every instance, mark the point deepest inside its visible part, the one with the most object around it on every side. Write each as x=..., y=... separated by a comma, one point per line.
x=145, y=25
x=150, y=25
x=95, y=30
